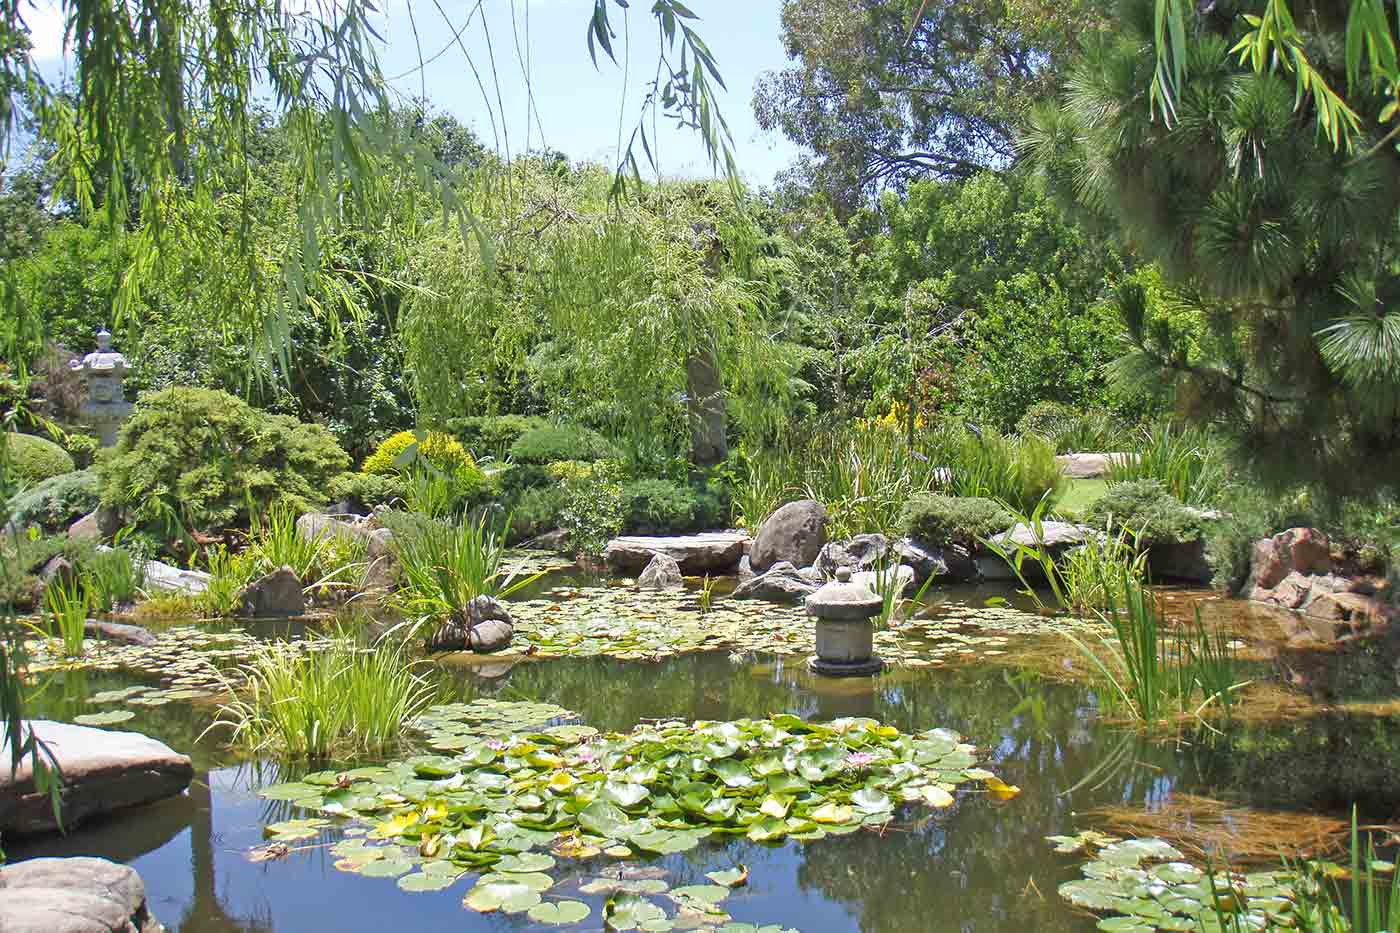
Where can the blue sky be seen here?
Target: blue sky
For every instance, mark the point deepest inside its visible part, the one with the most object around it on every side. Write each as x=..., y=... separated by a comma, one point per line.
x=578, y=106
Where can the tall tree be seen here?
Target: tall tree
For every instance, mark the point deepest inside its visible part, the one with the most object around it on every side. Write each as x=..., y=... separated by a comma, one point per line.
x=1283, y=245
x=879, y=103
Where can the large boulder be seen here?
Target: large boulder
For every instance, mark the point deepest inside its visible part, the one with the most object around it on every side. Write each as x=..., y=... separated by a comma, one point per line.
x=1055, y=537
x=901, y=576
x=315, y=526
x=860, y=553
x=73, y=895
x=103, y=770
x=384, y=567
x=276, y=595
x=174, y=580
x=1304, y=550
x=663, y=573
x=715, y=552
x=486, y=627
x=794, y=533
x=783, y=583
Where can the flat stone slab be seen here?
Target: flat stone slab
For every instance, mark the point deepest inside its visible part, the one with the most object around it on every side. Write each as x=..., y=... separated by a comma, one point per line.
x=103, y=770
x=174, y=580
x=73, y=895
x=710, y=552
x=1088, y=466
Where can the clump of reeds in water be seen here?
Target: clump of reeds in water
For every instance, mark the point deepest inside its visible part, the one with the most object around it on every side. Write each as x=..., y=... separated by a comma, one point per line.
x=341, y=700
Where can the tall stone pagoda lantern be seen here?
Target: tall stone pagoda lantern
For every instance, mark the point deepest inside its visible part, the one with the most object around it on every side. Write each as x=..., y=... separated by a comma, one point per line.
x=106, y=406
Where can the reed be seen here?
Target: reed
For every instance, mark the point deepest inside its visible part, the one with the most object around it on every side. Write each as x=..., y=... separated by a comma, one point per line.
x=113, y=578
x=344, y=700
x=68, y=604
x=1182, y=459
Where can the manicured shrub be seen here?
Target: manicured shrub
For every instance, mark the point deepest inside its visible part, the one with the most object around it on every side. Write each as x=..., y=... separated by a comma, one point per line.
x=555, y=442
x=1148, y=509
x=939, y=521
x=658, y=506
x=714, y=502
x=366, y=490
x=493, y=435
x=535, y=511
x=201, y=458
x=34, y=459
x=592, y=512
x=58, y=501
x=439, y=449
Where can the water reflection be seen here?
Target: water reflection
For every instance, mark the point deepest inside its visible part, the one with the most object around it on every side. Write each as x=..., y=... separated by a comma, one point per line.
x=979, y=867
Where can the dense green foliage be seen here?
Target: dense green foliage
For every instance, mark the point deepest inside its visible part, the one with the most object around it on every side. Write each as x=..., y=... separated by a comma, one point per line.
x=1148, y=509
x=199, y=459
x=33, y=459
x=940, y=521
x=58, y=501
x=558, y=442
x=1282, y=250
x=659, y=506
x=367, y=490
x=492, y=435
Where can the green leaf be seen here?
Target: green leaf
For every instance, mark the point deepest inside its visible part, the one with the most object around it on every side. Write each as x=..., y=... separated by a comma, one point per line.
x=705, y=893
x=560, y=913
x=525, y=862
x=510, y=897
x=110, y=718
x=730, y=877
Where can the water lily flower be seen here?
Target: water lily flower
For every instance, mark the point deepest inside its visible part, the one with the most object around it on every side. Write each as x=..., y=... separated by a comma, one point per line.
x=858, y=760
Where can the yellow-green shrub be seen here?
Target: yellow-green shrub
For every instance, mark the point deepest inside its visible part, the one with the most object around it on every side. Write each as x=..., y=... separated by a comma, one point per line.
x=439, y=449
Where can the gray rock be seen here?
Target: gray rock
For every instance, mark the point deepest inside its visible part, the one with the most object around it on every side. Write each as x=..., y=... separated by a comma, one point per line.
x=715, y=552
x=783, y=583
x=924, y=562
x=490, y=635
x=85, y=529
x=174, y=580
x=992, y=567
x=556, y=541
x=902, y=576
x=73, y=895
x=487, y=627
x=860, y=553
x=315, y=526
x=274, y=595
x=59, y=569
x=663, y=573
x=1054, y=536
x=1180, y=560
x=115, y=631
x=794, y=533
x=103, y=770
x=812, y=574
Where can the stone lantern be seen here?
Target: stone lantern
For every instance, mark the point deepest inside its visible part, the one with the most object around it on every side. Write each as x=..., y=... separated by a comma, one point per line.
x=845, y=614
x=106, y=406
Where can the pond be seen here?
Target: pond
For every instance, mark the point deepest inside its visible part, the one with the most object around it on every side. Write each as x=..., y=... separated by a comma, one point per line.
x=979, y=865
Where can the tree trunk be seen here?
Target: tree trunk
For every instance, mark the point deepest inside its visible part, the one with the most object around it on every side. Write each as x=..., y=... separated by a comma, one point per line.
x=709, y=444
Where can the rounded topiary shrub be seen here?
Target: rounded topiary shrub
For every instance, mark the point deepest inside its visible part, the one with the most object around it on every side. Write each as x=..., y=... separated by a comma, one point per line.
x=493, y=434
x=439, y=449
x=367, y=490
x=556, y=442
x=938, y=521
x=58, y=501
x=34, y=459
x=201, y=459
x=1148, y=509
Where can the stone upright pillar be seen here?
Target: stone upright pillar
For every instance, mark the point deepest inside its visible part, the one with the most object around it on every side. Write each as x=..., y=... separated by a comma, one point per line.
x=106, y=406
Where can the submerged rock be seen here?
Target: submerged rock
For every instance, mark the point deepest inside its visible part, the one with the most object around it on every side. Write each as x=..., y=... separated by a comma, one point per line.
x=716, y=552
x=274, y=595
x=103, y=770
x=73, y=895
x=663, y=573
x=115, y=631
x=783, y=583
x=795, y=533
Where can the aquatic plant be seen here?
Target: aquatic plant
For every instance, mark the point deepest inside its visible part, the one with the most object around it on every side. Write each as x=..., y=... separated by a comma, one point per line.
x=1154, y=671
x=761, y=484
x=68, y=604
x=706, y=599
x=341, y=700
x=113, y=578
x=1018, y=470
x=445, y=567
x=276, y=542
x=492, y=800
x=229, y=572
x=1183, y=459
x=1082, y=578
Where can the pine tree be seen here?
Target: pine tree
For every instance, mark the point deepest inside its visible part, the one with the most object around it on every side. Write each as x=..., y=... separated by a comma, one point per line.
x=1281, y=244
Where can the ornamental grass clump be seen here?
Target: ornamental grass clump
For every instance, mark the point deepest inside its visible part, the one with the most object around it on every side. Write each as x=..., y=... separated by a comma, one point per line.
x=113, y=578
x=342, y=700
x=68, y=605
x=1184, y=460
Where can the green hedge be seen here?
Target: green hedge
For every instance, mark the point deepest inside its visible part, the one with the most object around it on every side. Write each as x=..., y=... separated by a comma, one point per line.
x=554, y=442
x=939, y=521
x=35, y=459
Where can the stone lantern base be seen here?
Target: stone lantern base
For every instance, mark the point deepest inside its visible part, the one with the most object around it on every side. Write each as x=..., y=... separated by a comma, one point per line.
x=869, y=666
x=845, y=648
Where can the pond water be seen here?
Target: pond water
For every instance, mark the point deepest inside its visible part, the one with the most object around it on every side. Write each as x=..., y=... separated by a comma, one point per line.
x=977, y=866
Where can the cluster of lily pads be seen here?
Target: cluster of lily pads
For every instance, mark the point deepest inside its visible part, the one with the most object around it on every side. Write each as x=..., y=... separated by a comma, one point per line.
x=512, y=801
x=624, y=623
x=1144, y=885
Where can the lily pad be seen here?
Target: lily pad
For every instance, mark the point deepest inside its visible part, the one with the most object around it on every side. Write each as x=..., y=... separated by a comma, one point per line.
x=560, y=913
x=104, y=719
x=508, y=897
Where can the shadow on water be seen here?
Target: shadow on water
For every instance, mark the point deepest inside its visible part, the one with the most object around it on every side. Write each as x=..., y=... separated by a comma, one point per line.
x=979, y=867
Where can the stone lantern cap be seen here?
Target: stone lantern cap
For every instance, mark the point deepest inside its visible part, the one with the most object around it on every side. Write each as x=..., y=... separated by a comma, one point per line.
x=844, y=599
x=103, y=358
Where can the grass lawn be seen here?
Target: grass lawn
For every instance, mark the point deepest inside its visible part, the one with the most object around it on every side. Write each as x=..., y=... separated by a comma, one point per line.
x=1079, y=495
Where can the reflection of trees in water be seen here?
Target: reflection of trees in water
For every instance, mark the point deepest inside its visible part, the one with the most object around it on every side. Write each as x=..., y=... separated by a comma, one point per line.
x=205, y=913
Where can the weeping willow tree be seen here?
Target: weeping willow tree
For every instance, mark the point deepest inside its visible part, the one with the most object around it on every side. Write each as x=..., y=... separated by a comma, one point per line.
x=1281, y=245
x=649, y=317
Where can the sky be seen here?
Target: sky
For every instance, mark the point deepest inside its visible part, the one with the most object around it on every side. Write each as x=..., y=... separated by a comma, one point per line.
x=576, y=107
